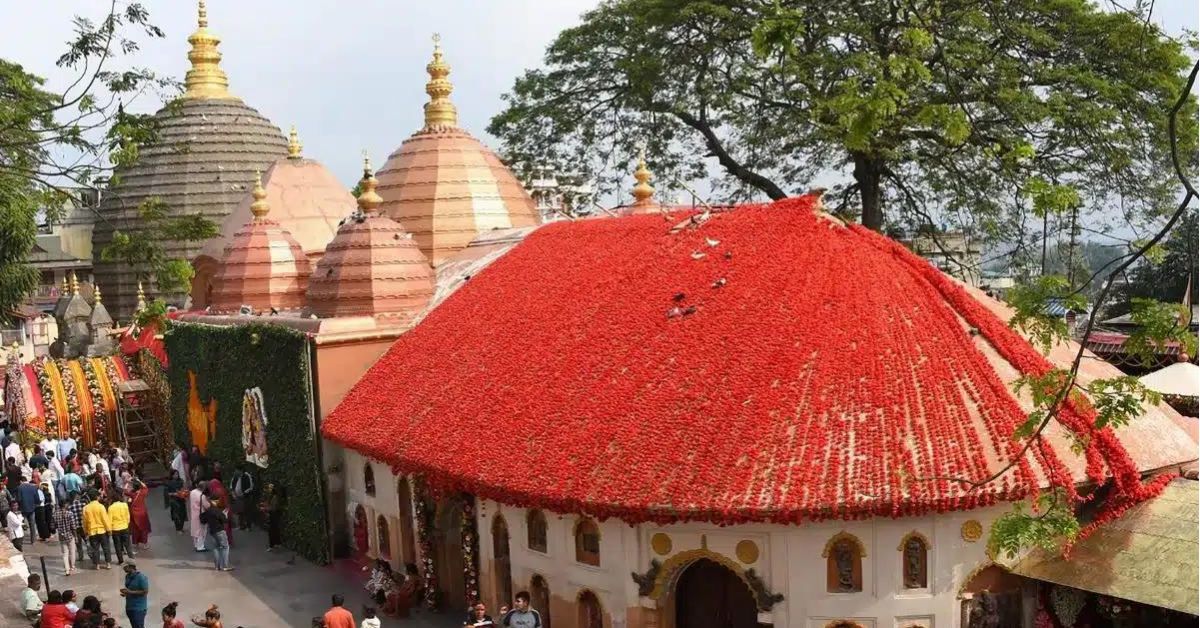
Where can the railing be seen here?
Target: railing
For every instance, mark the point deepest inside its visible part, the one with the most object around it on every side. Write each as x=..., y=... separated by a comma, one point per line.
x=46, y=292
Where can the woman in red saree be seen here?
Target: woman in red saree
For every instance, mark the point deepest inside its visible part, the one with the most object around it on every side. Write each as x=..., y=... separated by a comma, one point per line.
x=139, y=516
x=217, y=489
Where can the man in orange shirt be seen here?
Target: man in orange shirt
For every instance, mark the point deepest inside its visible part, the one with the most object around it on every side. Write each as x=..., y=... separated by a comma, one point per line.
x=338, y=617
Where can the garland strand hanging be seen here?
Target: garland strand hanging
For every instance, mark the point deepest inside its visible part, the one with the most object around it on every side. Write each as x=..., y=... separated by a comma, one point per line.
x=100, y=416
x=422, y=515
x=73, y=421
x=43, y=380
x=470, y=548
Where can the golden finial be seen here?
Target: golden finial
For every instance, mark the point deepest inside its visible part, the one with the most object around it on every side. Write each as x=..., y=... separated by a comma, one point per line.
x=439, y=111
x=206, y=79
x=294, y=145
x=66, y=285
x=95, y=293
x=141, y=297
x=74, y=283
x=259, y=207
x=368, y=200
x=643, y=194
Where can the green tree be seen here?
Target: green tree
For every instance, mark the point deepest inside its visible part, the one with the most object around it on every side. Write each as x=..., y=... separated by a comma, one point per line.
x=973, y=111
x=1166, y=277
x=52, y=143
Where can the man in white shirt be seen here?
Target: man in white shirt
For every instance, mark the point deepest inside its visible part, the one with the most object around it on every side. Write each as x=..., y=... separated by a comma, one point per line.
x=14, y=524
x=65, y=447
x=30, y=602
x=46, y=445
x=55, y=465
x=14, y=451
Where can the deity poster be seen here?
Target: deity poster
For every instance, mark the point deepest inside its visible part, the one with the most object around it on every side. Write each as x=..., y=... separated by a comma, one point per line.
x=254, y=427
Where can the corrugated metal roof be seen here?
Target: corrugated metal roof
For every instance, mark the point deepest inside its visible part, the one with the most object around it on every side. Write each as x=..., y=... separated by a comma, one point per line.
x=1148, y=555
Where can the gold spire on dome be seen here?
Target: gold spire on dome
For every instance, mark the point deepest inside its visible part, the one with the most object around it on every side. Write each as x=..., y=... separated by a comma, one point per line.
x=96, y=293
x=74, y=283
x=368, y=201
x=141, y=298
x=259, y=207
x=206, y=79
x=439, y=111
x=66, y=288
x=643, y=194
x=294, y=145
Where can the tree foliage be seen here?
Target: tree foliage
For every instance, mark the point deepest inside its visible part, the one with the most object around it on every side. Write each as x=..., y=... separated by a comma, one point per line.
x=977, y=112
x=53, y=142
x=147, y=251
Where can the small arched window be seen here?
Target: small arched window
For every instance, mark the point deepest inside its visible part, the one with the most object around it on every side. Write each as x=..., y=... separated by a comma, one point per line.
x=587, y=542
x=535, y=522
x=369, y=479
x=843, y=563
x=914, y=552
x=385, y=538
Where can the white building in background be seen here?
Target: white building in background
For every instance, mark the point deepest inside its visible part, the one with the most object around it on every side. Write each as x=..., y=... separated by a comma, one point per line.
x=560, y=195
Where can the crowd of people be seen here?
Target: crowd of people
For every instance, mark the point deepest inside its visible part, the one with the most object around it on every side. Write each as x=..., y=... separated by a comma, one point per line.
x=521, y=615
x=93, y=502
x=395, y=594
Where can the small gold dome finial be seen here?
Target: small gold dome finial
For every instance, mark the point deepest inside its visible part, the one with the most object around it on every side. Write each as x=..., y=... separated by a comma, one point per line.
x=74, y=283
x=141, y=297
x=368, y=200
x=643, y=194
x=205, y=79
x=294, y=145
x=439, y=111
x=96, y=293
x=259, y=207
x=66, y=288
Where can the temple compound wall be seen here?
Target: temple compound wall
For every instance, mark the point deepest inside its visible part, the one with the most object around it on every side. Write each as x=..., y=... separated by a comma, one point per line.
x=912, y=572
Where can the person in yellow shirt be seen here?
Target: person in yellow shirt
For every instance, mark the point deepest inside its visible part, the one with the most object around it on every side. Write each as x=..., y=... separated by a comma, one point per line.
x=96, y=527
x=118, y=514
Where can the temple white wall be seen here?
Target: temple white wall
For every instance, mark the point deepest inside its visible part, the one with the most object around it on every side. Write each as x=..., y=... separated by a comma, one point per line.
x=789, y=561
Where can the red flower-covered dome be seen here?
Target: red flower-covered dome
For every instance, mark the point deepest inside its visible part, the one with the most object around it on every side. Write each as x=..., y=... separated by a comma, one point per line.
x=372, y=267
x=766, y=364
x=264, y=266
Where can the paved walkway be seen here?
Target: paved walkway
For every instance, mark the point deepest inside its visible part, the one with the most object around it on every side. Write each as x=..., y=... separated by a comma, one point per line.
x=263, y=591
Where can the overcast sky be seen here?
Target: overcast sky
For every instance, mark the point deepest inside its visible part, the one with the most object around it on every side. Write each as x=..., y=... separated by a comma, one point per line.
x=350, y=74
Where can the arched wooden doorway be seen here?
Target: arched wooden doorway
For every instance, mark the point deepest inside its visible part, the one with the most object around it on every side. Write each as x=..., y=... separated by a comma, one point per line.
x=992, y=594
x=502, y=562
x=539, y=592
x=447, y=536
x=591, y=615
x=362, y=534
x=709, y=595
x=408, y=541
x=203, y=281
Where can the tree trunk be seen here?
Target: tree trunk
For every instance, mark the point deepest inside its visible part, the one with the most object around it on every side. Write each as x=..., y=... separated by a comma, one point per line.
x=868, y=174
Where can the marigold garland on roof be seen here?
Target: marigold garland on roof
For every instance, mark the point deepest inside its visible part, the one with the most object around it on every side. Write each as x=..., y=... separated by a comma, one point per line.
x=1077, y=414
x=709, y=374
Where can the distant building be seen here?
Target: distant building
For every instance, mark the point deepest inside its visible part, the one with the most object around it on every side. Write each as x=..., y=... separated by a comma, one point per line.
x=560, y=195
x=65, y=246
x=954, y=252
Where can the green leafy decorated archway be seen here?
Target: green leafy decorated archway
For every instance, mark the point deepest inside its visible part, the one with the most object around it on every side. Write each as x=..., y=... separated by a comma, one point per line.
x=228, y=360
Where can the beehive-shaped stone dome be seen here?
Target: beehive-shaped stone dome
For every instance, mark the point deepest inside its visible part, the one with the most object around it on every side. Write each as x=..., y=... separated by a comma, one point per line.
x=210, y=145
x=444, y=186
